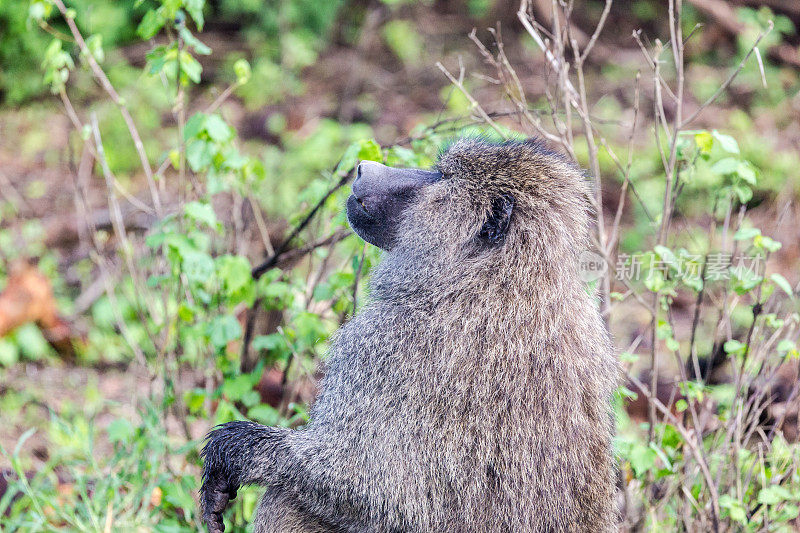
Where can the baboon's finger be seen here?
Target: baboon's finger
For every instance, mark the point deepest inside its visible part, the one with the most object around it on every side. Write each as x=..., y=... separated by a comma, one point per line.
x=214, y=504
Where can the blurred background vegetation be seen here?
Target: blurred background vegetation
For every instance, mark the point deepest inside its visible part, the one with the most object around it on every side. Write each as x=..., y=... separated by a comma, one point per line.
x=174, y=254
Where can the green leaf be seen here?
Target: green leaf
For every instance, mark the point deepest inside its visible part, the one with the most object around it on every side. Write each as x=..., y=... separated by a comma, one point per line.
x=201, y=212
x=734, y=507
x=185, y=313
x=296, y=50
x=672, y=344
x=190, y=66
x=194, y=126
x=734, y=347
x=661, y=455
x=746, y=234
x=95, y=45
x=781, y=282
x=738, y=514
x=349, y=158
x=266, y=414
x=242, y=70
x=693, y=282
x=402, y=38
x=178, y=496
x=250, y=398
x=120, y=430
x=642, y=459
x=31, y=342
x=200, y=155
x=655, y=281
x=222, y=330
x=774, y=494
x=726, y=166
x=194, y=400
x=39, y=10
x=275, y=290
x=197, y=266
x=234, y=160
x=157, y=58
x=195, y=9
x=369, y=150
x=704, y=141
x=727, y=142
x=746, y=281
x=663, y=330
x=269, y=343
x=745, y=171
x=323, y=291
x=235, y=388
x=665, y=253
x=785, y=345
x=766, y=243
x=234, y=272
x=310, y=328
x=194, y=42
x=787, y=513
x=9, y=352
x=217, y=129
x=57, y=65
x=744, y=194
x=151, y=24
x=681, y=405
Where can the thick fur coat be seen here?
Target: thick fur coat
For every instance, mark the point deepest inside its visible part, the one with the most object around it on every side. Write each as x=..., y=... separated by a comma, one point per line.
x=472, y=391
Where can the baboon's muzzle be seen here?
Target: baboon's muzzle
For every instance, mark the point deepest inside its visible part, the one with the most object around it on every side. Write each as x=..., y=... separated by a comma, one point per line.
x=380, y=195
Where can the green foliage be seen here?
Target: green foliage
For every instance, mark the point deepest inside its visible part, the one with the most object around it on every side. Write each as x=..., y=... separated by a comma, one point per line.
x=181, y=308
x=403, y=39
x=287, y=35
x=135, y=489
x=23, y=50
x=715, y=177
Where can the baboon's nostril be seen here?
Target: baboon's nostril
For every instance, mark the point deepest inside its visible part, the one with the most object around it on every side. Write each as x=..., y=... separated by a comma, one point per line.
x=357, y=185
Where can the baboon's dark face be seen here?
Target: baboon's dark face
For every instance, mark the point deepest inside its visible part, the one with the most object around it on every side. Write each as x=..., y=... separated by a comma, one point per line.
x=380, y=196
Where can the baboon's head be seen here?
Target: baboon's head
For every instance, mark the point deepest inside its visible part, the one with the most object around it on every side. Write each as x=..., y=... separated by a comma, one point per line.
x=498, y=206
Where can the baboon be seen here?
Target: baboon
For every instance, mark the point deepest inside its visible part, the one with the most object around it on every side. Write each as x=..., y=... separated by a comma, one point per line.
x=471, y=393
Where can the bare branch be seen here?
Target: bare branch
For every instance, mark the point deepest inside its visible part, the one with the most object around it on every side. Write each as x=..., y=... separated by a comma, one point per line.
x=600, y=25
x=115, y=97
x=730, y=79
x=458, y=83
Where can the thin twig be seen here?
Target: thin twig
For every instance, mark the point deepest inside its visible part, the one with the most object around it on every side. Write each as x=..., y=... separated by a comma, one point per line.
x=459, y=84
x=730, y=79
x=101, y=77
x=598, y=29
x=687, y=438
x=272, y=261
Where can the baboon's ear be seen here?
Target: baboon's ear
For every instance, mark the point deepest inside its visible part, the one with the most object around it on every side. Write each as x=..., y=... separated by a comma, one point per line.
x=494, y=229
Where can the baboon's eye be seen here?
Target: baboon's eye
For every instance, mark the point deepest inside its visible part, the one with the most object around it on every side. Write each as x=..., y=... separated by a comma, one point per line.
x=444, y=175
x=494, y=229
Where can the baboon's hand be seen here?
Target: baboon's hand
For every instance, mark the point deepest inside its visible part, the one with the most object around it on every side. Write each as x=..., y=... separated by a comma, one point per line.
x=214, y=499
x=235, y=454
x=220, y=476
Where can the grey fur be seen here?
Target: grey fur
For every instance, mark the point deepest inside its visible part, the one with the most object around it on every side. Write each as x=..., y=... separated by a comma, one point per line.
x=472, y=392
